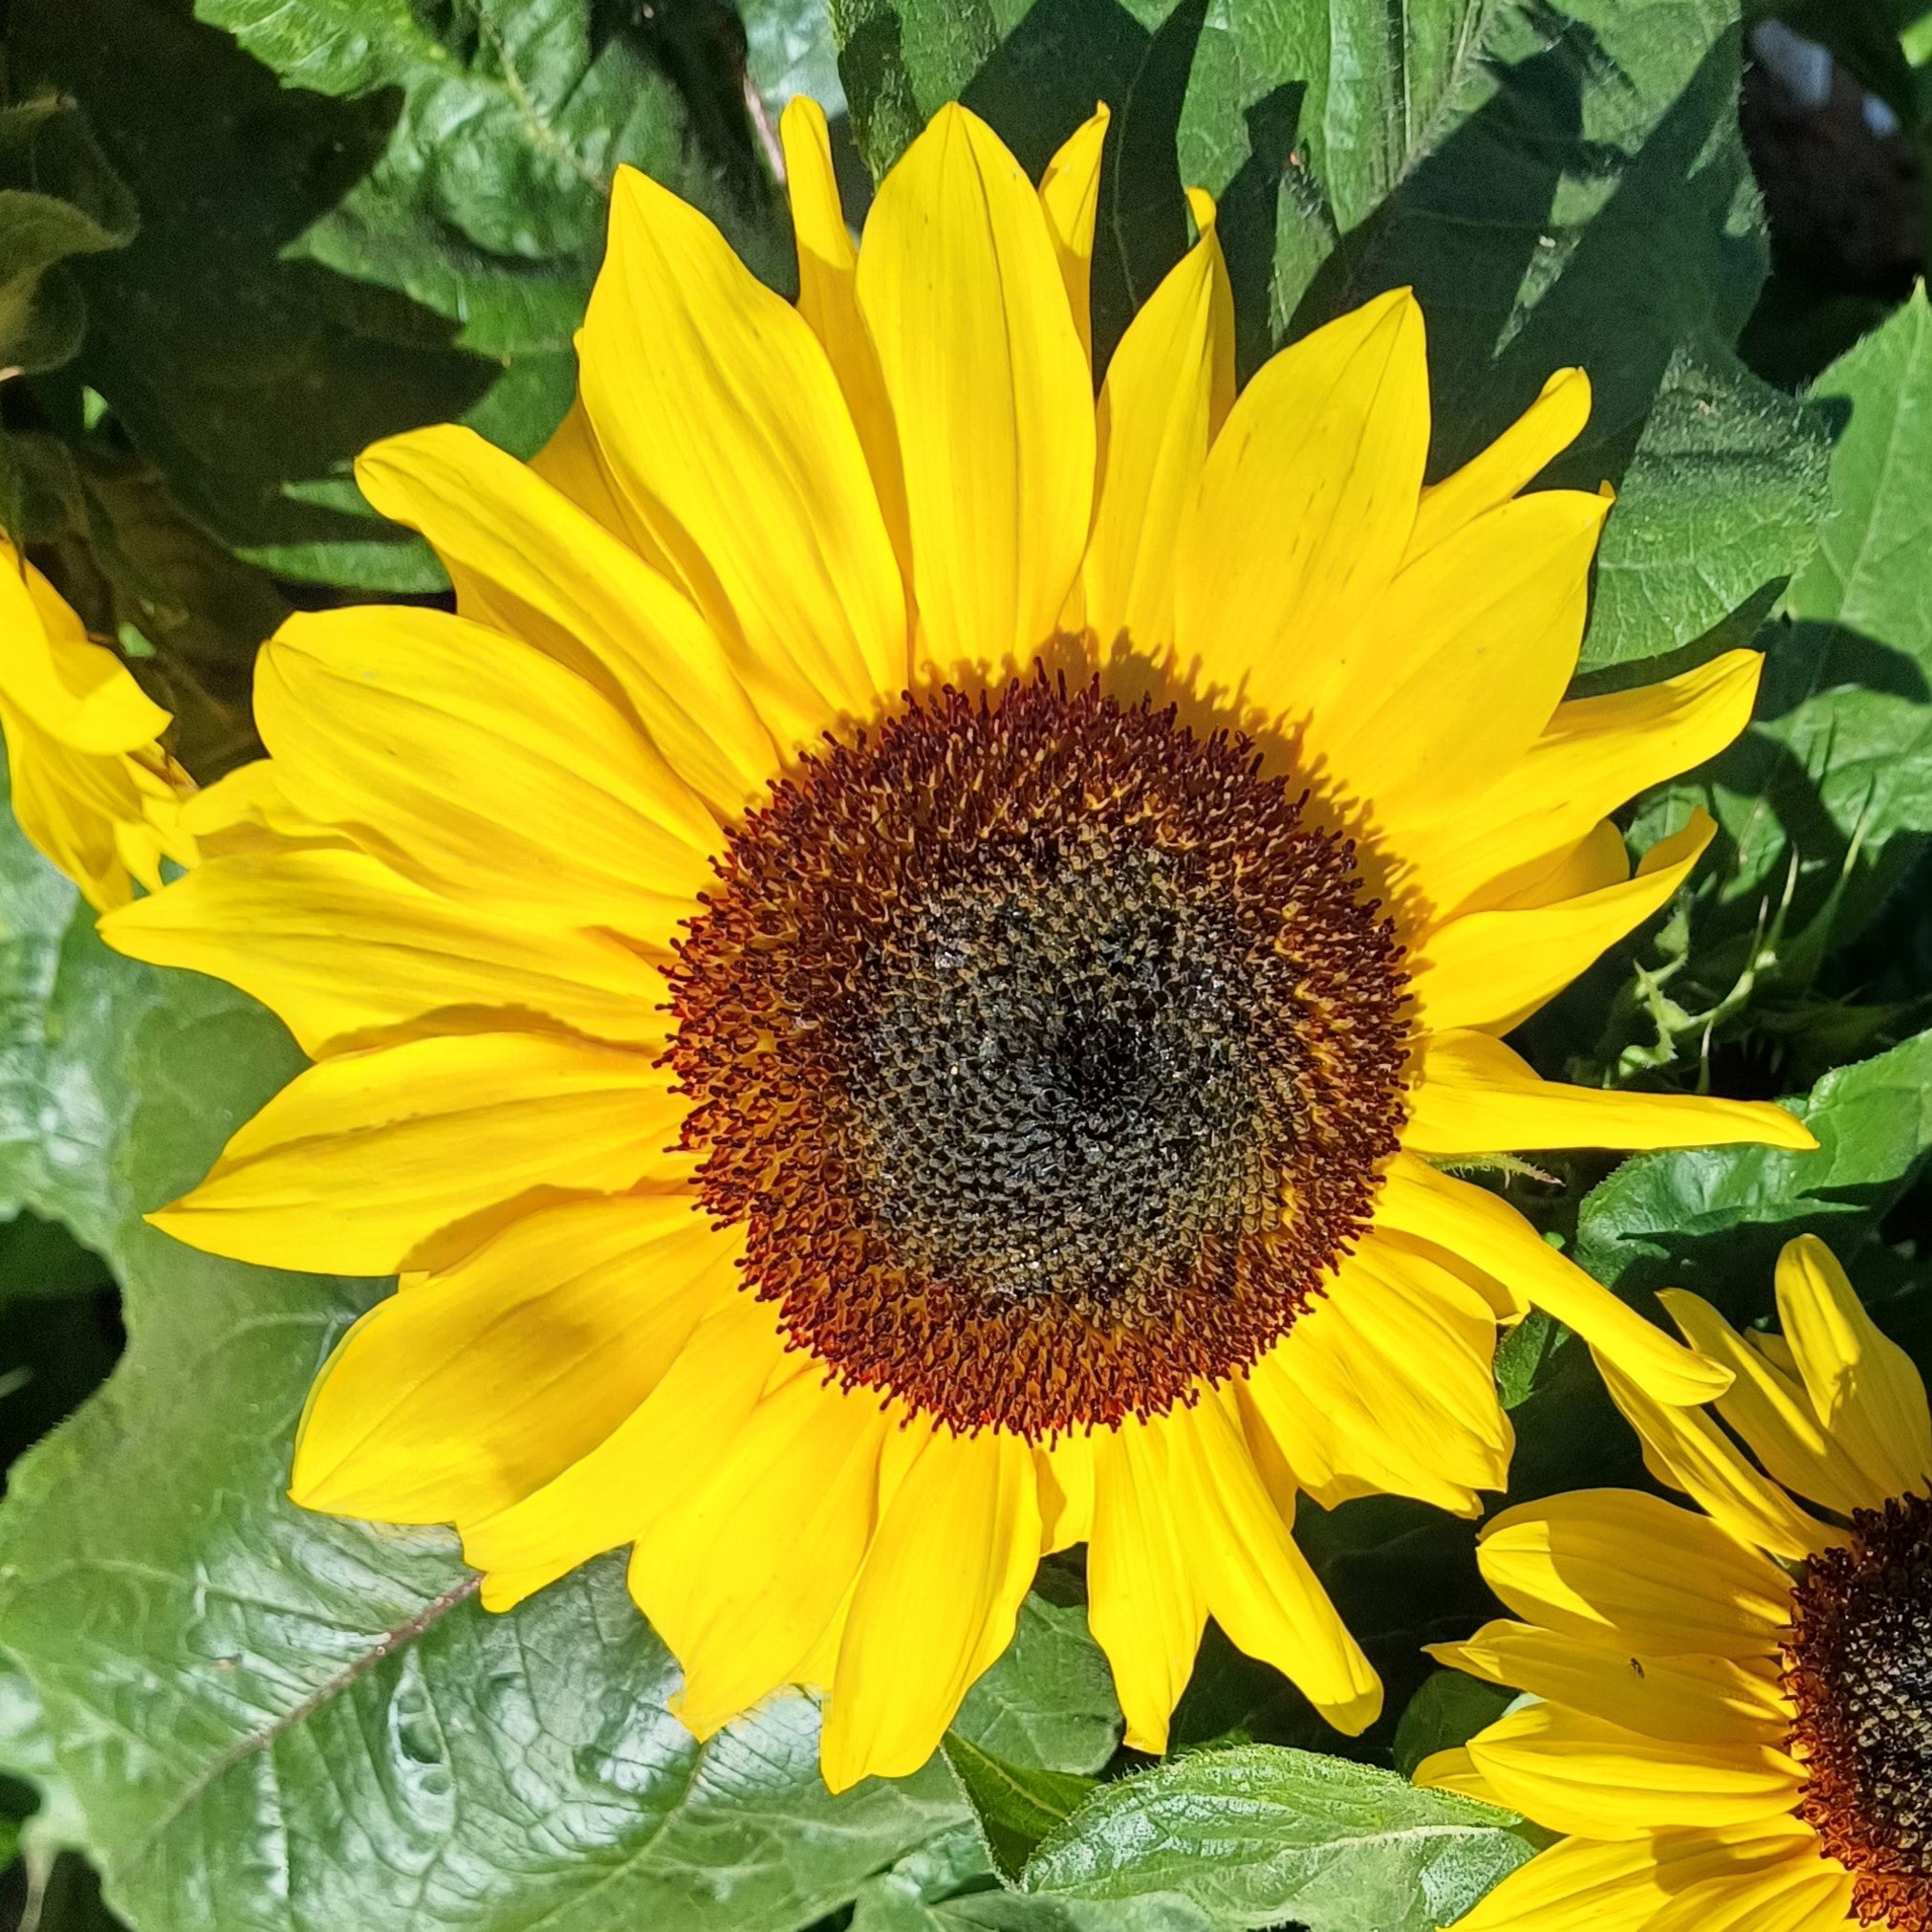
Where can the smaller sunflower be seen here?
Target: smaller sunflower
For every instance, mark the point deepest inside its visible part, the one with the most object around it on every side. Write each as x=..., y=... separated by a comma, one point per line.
x=1730, y=1712
x=92, y=786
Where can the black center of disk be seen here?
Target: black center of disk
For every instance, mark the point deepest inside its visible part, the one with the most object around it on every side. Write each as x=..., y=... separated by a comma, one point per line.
x=1859, y=1665
x=1046, y=1053
x=1064, y=1081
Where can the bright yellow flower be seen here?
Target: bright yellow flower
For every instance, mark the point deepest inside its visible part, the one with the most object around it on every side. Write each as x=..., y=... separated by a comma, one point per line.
x=1734, y=1715
x=92, y=786
x=1058, y=1075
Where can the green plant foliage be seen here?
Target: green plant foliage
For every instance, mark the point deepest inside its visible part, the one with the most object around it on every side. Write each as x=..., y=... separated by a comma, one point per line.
x=488, y=202
x=1825, y=805
x=1449, y=1709
x=1014, y=1807
x=1256, y=1836
x=58, y=199
x=1713, y=1218
x=366, y=221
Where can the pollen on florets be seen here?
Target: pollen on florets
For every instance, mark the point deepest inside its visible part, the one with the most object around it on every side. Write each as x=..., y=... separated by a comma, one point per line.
x=1858, y=1669
x=1046, y=1053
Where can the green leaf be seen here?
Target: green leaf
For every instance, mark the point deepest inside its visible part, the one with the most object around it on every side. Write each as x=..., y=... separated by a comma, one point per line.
x=1842, y=750
x=788, y=51
x=890, y=1904
x=1712, y=1219
x=1724, y=494
x=488, y=202
x=1448, y=1710
x=268, y=1717
x=1256, y=1836
x=1015, y=1806
x=1825, y=804
x=1049, y=1702
x=465, y=220
x=58, y=199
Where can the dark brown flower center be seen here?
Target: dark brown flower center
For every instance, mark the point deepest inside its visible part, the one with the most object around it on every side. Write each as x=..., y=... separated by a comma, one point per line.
x=1046, y=1053
x=1858, y=1666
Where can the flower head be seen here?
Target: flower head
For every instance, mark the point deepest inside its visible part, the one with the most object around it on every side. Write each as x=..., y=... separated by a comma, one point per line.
x=895, y=980
x=92, y=786
x=1733, y=1705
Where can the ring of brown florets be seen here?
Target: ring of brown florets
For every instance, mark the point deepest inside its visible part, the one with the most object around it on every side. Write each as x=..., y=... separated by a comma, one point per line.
x=1046, y=1053
x=1858, y=1669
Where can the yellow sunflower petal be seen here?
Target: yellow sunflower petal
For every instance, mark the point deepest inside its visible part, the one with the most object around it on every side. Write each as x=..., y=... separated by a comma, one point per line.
x=475, y=1386
x=1543, y=430
x=1863, y=1385
x=749, y=1562
x=613, y=1494
x=1466, y=660
x=1256, y=1582
x=1576, y=1774
x=1066, y=1468
x=339, y=946
x=529, y=561
x=1384, y=1384
x=828, y=298
x=1493, y=970
x=521, y=782
x=1687, y=1701
x=1772, y=1410
x=76, y=691
x=1686, y=1450
x=419, y=1136
x=1486, y=1231
x=1596, y=754
x=1169, y=387
x=1305, y=509
x=1582, y=1885
x=245, y=810
x=959, y=282
x=1144, y=1605
x=1618, y=1565
x=72, y=806
x=572, y=462
x=1802, y=1893
x=727, y=438
x=1477, y=1096
x=935, y=1603
x=1070, y=198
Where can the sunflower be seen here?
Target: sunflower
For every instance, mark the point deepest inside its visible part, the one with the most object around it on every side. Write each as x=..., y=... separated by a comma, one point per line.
x=894, y=979
x=93, y=788
x=1732, y=1715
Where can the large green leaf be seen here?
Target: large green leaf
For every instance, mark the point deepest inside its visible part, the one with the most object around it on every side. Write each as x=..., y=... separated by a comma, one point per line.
x=58, y=199
x=488, y=202
x=1713, y=1218
x=318, y=270
x=1723, y=495
x=1050, y=1702
x=1256, y=1836
x=1842, y=748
